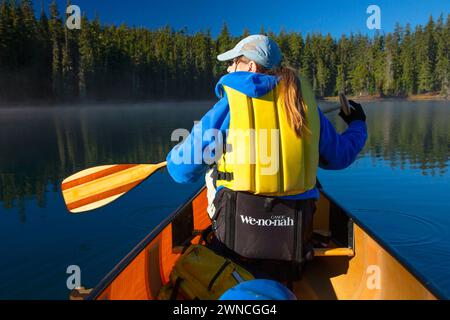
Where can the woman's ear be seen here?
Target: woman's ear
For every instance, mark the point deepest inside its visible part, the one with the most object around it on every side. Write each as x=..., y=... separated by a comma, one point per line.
x=252, y=66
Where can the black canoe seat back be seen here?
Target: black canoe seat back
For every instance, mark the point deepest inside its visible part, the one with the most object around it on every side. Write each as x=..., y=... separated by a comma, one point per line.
x=333, y=230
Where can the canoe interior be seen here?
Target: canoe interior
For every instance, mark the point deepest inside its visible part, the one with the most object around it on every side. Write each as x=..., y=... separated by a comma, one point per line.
x=358, y=269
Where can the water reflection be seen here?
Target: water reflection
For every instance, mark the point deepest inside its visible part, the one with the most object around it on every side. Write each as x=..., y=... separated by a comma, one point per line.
x=42, y=146
x=408, y=135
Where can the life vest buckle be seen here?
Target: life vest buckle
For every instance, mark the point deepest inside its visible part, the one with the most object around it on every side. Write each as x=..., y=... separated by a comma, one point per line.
x=227, y=176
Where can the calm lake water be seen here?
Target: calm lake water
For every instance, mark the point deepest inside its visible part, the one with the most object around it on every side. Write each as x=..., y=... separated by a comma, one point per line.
x=399, y=187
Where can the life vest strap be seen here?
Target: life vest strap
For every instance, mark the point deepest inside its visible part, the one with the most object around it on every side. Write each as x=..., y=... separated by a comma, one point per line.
x=226, y=176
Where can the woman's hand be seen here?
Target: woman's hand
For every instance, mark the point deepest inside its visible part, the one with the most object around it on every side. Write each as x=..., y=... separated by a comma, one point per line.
x=357, y=113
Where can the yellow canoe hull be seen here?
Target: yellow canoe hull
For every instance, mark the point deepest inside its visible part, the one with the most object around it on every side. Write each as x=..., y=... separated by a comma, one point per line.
x=355, y=267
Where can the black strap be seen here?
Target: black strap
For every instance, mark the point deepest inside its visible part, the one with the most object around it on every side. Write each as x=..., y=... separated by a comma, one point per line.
x=294, y=274
x=268, y=204
x=298, y=246
x=206, y=235
x=322, y=161
x=227, y=176
x=176, y=289
x=214, y=177
x=211, y=283
x=318, y=184
x=230, y=216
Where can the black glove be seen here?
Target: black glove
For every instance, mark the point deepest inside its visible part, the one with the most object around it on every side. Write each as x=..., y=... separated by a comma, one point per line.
x=356, y=113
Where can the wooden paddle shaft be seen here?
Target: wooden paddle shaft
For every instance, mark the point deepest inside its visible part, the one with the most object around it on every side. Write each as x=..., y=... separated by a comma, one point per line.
x=344, y=104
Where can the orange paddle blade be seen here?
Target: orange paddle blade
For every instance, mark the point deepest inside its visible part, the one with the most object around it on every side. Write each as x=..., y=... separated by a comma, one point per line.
x=95, y=187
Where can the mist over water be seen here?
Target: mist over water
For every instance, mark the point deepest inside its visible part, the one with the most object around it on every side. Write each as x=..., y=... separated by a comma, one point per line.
x=398, y=186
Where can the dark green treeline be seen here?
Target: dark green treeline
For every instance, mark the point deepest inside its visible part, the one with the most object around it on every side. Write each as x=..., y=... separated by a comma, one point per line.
x=42, y=59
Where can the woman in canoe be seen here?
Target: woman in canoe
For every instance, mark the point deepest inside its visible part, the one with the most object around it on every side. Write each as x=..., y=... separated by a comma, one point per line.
x=259, y=148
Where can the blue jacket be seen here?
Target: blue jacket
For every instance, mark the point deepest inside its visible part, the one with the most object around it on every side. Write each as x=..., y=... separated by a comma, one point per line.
x=336, y=151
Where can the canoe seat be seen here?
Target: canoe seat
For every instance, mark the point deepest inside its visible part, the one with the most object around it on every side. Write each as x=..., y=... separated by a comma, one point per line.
x=334, y=252
x=324, y=246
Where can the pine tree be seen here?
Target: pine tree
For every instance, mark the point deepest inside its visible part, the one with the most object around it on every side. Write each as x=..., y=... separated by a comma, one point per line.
x=224, y=40
x=426, y=53
x=296, y=47
x=29, y=21
x=223, y=43
x=409, y=64
x=379, y=64
x=283, y=42
x=308, y=68
x=4, y=26
x=5, y=41
x=86, y=53
x=324, y=57
x=31, y=57
x=389, y=80
x=99, y=40
x=328, y=70
x=397, y=40
x=43, y=56
x=392, y=75
x=262, y=30
x=68, y=64
x=17, y=32
x=442, y=72
x=55, y=26
x=343, y=60
x=360, y=77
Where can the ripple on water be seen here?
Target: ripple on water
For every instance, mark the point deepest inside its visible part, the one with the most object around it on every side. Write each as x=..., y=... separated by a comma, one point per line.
x=400, y=228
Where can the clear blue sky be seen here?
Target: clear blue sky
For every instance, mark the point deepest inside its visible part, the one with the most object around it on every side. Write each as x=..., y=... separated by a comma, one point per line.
x=336, y=17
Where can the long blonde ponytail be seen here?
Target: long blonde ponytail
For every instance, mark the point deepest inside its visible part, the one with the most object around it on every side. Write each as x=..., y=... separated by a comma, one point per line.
x=293, y=99
x=292, y=96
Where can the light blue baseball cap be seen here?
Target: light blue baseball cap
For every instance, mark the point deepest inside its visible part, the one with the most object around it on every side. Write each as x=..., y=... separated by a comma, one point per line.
x=259, y=48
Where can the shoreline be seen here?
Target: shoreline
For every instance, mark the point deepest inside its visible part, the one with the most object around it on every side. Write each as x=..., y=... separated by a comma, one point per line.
x=415, y=97
x=121, y=102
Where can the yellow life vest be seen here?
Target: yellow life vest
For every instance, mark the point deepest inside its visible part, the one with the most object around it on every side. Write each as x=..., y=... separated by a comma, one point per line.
x=263, y=154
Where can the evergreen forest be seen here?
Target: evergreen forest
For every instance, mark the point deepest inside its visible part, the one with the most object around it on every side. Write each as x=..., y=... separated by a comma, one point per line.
x=42, y=59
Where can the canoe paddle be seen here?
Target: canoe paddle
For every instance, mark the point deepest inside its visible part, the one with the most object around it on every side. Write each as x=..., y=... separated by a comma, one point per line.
x=95, y=187
x=344, y=104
